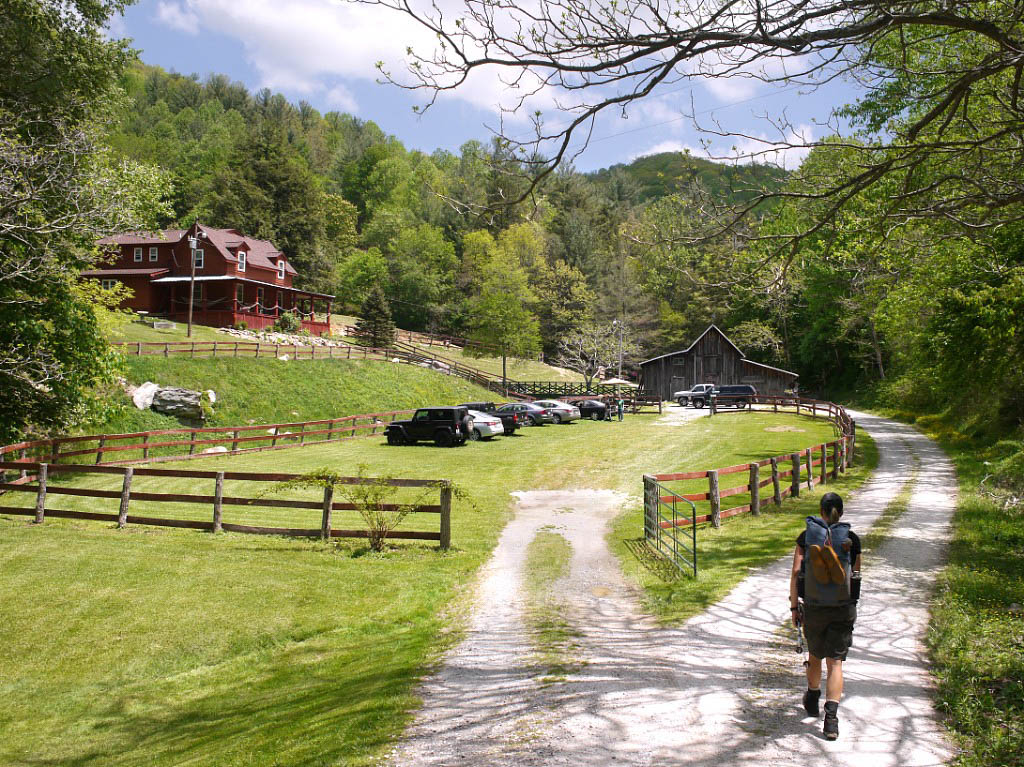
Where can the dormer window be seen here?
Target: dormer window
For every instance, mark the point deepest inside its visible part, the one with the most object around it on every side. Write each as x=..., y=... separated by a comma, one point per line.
x=138, y=255
x=280, y=269
x=241, y=260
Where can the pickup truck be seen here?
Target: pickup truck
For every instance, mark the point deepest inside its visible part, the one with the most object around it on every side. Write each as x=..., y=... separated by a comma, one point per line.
x=696, y=396
x=446, y=426
x=509, y=420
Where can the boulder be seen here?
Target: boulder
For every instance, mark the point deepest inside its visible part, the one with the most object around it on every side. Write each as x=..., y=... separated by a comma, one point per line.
x=217, y=449
x=211, y=396
x=143, y=395
x=180, y=403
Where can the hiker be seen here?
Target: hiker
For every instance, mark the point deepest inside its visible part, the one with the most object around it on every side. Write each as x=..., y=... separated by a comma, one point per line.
x=620, y=407
x=830, y=588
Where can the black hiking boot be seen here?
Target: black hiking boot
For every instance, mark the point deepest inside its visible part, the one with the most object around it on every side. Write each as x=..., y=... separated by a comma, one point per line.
x=831, y=727
x=811, y=698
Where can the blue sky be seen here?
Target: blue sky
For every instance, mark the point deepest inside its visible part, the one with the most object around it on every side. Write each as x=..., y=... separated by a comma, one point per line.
x=324, y=51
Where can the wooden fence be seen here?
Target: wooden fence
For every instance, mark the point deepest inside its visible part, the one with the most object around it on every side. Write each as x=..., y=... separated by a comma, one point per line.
x=784, y=474
x=35, y=479
x=152, y=446
x=255, y=349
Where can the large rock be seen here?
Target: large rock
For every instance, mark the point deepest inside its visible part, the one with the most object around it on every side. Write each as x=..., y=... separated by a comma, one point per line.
x=143, y=396
x=180, y=403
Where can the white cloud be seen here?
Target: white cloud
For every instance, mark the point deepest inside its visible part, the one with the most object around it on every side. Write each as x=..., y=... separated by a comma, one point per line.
x=177, y=17
x=341, y=98
x=670, y=146
x=787, y=150
x=302, y=45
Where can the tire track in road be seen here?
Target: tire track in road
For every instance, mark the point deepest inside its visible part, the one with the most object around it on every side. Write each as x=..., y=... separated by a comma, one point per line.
x=721, y=689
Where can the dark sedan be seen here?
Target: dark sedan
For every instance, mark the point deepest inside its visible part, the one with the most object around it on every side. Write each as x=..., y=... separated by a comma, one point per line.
x=594, y=409
x=538, y=415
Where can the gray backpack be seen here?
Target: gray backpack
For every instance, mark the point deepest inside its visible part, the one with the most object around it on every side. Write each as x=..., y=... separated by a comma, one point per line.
x=826, y=593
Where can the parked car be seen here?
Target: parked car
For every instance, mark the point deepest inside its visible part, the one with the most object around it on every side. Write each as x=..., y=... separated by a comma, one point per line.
x=561, y=412
x=510, y=420
x=737, y=395
x=537, y=415
x=594, y=409
x=446, y=426
x=697, y=395
x=484, y=426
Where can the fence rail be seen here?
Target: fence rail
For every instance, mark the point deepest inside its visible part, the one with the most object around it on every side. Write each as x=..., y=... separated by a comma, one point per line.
x=38, y=483
x=810, y=466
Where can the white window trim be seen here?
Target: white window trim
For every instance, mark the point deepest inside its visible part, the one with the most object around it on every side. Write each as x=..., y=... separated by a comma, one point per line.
x=199, y=257
x=138, y=256
x=241, y=260
x=107, y=284
x=280, y=269
x=154, y=254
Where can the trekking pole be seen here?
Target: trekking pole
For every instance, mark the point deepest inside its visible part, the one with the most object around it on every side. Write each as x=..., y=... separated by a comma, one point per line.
x=801, y=646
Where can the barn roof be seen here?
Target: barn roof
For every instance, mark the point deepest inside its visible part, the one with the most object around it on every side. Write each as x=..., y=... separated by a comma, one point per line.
x=729, y=341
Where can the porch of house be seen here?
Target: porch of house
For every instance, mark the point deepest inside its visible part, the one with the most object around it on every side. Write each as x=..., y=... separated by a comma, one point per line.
x=224, y=303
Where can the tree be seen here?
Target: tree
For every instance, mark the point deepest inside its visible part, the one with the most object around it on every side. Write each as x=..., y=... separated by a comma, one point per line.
x=61, y=193
x=942, y=86
x=595, y=346
x=374, y=325
x=499, y=316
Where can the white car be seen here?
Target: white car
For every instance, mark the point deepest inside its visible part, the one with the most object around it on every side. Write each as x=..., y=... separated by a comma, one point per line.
x=561, y=412
x=485, y=426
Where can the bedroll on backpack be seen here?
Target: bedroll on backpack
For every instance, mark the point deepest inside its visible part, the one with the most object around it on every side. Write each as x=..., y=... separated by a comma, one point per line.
x=826, y=565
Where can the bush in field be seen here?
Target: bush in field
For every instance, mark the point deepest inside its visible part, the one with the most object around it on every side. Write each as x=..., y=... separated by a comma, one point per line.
x=288, y=323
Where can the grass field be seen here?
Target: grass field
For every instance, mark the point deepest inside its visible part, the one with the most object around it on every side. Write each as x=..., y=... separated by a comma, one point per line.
x=271, y=391
x=159, y=646
x=518, y=370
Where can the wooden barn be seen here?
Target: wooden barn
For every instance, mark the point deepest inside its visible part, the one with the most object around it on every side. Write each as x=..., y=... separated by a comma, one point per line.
x=712, y=358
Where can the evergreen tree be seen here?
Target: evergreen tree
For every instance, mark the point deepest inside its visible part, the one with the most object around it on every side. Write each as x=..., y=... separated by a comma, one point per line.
x=375, y=326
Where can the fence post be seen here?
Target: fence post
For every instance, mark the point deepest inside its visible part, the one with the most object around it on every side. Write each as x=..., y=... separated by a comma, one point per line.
x=54, y=451
x=234, y=443
x=273, y=442
x=302, y=433
x=236, y=348
x=145, y=446
x=99, y=449
x=325, y=525
x=824, y=464
x=446, y=514
x=192, y=350
x=794, y=485
x=776, y=490
x=215, y=349
x=41, y=493
x=126, y=491
x=755, y=489
x=715, y=498
x=140, y=349
x=192, y=443
x=167, y=350
x=21, y=457
x=218, y=500
x=810, y=470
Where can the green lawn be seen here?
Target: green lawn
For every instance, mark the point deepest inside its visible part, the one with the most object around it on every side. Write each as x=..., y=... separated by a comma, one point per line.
x=136, y=331
x=271, y=391
x=518, y=370
x=160, y=646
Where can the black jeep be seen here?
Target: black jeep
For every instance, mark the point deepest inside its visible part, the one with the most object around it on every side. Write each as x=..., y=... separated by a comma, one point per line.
x=446, y=426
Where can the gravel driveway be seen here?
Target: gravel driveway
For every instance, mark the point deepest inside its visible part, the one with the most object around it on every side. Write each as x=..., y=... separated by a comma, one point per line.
x=722, y=689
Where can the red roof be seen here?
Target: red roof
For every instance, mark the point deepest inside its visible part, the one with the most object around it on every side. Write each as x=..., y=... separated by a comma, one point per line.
x=123, y=272
x=259, y=253
x=166, y=237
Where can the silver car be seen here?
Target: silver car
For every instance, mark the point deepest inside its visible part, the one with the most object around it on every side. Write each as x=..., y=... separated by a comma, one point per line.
x=561, y=412
x=485, y=426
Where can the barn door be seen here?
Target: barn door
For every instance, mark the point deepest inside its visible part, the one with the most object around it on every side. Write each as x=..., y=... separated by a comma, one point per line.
x=713, y=369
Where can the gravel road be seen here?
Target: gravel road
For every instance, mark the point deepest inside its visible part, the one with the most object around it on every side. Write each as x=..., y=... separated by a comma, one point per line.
x=722, y=689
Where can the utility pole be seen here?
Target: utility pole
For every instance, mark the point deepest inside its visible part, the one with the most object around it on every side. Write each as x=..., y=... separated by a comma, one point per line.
x=618, y=324
x=192, y=242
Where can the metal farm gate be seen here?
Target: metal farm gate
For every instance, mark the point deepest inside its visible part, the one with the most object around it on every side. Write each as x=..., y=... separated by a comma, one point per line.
x=670, y=525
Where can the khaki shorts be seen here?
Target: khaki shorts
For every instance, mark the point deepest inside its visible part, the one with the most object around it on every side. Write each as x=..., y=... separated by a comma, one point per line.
x=829, y=630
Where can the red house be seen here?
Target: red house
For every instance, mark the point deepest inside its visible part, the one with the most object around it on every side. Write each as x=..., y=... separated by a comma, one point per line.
x=237, y=279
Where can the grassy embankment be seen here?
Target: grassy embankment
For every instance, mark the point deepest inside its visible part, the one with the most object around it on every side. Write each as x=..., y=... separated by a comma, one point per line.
x=517, y=369
x=976, y=636
x=167, y=646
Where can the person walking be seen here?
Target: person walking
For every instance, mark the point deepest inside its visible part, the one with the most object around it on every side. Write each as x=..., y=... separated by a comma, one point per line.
x=829, y=588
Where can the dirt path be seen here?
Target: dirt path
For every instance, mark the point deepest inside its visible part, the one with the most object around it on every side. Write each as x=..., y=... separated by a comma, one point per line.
x=723, y=689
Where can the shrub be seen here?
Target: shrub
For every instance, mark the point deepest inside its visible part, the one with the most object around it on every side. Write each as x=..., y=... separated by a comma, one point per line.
x=241, y=325
x=288, y=323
